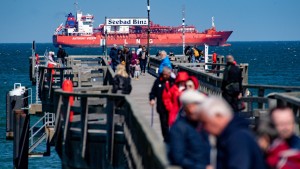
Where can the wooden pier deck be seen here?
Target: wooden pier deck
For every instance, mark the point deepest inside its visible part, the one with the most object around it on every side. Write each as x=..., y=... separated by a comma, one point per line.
x=140, y=94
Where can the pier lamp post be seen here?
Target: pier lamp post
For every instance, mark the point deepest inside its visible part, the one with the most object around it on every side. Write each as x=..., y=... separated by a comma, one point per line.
x=148, y=38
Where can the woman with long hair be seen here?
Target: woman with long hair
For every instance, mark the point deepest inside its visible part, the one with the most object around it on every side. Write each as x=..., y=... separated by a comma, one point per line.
x=122, y=81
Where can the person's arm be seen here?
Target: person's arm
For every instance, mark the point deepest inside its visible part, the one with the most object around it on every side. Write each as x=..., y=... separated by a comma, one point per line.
x=153, y=92
x=115, y=84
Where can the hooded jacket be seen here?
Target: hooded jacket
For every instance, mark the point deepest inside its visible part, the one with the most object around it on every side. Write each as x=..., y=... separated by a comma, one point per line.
x=237, y=147
x=189, y=146
x=171, y=97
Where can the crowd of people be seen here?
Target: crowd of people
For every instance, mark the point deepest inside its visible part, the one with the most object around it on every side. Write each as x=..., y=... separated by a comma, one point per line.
x=127, y=63
x=189, y=119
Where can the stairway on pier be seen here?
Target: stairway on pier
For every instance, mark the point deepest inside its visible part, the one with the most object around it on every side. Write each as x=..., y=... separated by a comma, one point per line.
x=140, y=94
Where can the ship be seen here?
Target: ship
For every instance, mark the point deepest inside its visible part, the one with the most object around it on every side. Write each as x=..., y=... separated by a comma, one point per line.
x=78, y=31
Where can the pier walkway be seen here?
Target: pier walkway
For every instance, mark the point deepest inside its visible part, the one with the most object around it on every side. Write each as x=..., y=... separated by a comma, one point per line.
x=140, y=94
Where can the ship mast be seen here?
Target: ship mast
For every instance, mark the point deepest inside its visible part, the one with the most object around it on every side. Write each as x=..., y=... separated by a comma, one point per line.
x=183, y=29
x=148, y=37
x=213, y=22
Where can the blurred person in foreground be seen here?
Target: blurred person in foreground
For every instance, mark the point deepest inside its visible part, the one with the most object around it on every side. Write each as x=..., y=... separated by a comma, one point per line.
x=284, y=151
x=236, y=145
x=156, y=94
x=189, y=146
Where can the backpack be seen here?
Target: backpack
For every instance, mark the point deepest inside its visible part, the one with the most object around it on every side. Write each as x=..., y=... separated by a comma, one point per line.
x=196, y=52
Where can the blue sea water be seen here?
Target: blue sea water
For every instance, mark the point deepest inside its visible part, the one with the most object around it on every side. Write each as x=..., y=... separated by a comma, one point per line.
x=272, y=63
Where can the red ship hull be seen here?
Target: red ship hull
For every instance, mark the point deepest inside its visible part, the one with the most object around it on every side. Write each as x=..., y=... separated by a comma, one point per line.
x=215, y=38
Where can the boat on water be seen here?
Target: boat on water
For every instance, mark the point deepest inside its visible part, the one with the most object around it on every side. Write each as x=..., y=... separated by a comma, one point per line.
x=78, y=31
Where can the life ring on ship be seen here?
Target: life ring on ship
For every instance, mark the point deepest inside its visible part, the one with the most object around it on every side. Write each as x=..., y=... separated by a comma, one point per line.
x=67, y=86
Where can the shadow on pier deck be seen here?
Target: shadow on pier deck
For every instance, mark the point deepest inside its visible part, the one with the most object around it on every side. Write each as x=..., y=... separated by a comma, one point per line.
x=114, y=131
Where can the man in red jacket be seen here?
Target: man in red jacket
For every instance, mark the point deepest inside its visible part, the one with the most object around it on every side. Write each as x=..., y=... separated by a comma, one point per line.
x=171, y=96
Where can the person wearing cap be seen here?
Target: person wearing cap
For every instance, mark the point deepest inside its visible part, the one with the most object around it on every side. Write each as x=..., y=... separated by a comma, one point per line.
x=189, y=146
x=171, y=96
x=113, y=54
x=236, y=145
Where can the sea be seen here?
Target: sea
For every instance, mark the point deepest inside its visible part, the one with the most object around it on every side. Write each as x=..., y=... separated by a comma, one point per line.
x=270, y=63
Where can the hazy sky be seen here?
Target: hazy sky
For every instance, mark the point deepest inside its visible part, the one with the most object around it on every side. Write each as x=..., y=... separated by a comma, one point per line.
x=251, y=20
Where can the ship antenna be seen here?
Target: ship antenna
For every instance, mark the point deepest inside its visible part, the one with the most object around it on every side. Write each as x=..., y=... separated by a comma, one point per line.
x=183, y=29
x=213, y=22
x=76, y=6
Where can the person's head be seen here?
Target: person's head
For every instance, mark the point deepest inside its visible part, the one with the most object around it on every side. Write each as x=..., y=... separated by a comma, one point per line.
x=126, y=49
x=162, y=54
x=284, y=121
x=121, y=70
x=181, y=79
x=132, y=50
x=137, y=61
x=59, y=46
x=140, y=46
x=115, y=46
x=192, y=83
x=190, y=100
x=215, y=114
x=229, y=59
x=166, y=73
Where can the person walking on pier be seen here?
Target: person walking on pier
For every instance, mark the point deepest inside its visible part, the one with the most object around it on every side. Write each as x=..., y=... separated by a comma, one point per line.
x=165, y=61
x=236, y=145
x=156, y=94
x=122, y=81
x=134, y=58
x=232, y=84
x=126, y=57
x=61, y=55
x=113, y=54
x=143, y=60
x=189, y=146
x=171, y=96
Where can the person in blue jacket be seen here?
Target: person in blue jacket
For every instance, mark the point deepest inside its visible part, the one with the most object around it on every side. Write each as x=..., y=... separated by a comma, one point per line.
x=165, y=62
x=236, y=145
x=188, y=143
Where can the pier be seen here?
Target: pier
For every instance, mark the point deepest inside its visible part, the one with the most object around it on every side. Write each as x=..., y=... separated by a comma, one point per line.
x=99, y=129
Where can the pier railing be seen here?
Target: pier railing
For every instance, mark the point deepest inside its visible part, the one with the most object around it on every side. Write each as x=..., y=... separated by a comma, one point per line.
x=113, y=125
x=255, y=96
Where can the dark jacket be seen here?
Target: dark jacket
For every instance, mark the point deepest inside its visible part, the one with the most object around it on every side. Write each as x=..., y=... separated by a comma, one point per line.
x=237, y=147
x=157, y=91
x=232, y=74
x=294, y=142
x=189, y=146
x=113, y=54
x=61, y=53
x=122, y=84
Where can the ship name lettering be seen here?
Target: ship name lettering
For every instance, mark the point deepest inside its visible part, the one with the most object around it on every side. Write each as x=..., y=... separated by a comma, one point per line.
x=138, y=41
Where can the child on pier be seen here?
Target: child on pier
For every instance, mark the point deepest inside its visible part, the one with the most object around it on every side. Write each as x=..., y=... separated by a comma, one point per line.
x=137, y=70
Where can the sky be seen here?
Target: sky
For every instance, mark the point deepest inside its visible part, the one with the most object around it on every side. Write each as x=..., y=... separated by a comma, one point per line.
x=23, y=21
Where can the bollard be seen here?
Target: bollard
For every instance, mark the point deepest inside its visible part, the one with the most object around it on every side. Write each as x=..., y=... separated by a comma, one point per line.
x=21, y=139
x=14, y=100
x=68, y=87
